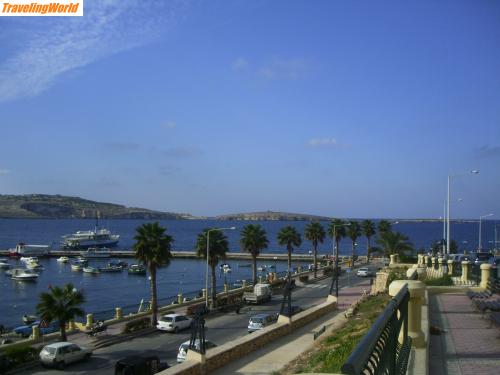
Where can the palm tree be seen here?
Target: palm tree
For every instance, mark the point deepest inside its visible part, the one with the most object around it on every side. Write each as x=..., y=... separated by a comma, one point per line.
x=61, y=305
x=152, y=248
x=394, y=243
x=339, y=226
x=353, y=232
x=368, y=228
x=218, y=247
x=289, y=237
x=384, y=226
x=253, y=240
x=315, y=233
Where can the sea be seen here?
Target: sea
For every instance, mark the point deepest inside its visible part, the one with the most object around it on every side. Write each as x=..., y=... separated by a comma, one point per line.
x=106, y=291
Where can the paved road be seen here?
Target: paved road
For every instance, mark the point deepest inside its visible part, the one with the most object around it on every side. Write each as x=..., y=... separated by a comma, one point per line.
x=220, y=329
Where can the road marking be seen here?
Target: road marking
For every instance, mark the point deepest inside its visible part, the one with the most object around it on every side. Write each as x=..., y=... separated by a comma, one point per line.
x=319, y=286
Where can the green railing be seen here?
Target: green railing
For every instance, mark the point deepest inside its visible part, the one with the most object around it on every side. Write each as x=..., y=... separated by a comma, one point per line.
x=380, y=351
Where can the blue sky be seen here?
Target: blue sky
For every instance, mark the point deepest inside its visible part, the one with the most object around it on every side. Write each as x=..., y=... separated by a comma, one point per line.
x=337, y=108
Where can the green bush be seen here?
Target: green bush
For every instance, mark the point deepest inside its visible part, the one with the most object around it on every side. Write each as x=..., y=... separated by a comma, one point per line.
x=442, y=281
x=17, y=355
x=136, y=325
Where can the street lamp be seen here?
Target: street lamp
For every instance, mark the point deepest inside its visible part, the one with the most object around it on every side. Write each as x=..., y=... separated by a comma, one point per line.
x=474, y=171
x=206, y=272
x=336, y=254
x=480, y=221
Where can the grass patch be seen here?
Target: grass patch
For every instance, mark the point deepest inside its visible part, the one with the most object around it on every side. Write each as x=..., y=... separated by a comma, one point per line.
x=332, y=352
x=441, y=281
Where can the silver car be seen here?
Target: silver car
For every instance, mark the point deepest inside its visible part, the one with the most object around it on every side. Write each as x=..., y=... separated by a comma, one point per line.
x=60, y=354
x=183, y=349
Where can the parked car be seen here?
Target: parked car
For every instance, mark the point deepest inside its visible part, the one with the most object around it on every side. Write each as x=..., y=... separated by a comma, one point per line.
x=60, y=354
x=480, y=258
x=27, y=329
x=183, y=349
x=173, y=323
x=365, y=272
x=260, y=321
x=140, y=365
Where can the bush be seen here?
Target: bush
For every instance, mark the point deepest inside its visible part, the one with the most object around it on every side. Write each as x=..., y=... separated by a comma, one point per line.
x=17, y=355
x=442, y=281
x=136, y=325
x=304, y=278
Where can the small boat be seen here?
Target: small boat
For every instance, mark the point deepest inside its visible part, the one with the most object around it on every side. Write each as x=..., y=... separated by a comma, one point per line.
x=28, y=259
x=28, y=319
x=110, y=269
x=226, y=268
x=90, y=269
x=34, y=266
x=63, y=259
x=137, y=269
x=21, y=274
x=261, y=268
x=77, y=266
x=95, y=252
x=120, y=264
x=4, y=264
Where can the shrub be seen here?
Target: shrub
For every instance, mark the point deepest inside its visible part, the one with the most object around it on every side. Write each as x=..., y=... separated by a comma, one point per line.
x=304, y=278
x=136, y=325
x=442, y=281
x=17, y=355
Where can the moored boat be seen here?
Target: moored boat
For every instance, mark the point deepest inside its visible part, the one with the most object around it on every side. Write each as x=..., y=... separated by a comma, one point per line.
x=77, y=266
x=21, y=274
x=28, y=259
x=63, y=259
x=90, y=269
x=4, y=264
x=110, y=269
x=119, y=263
x=34, y=266
x=90, y=238
x=95, y=252
x=28, y=319
x=137, y=269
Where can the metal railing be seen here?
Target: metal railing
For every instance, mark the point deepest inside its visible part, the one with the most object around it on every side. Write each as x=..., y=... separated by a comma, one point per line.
x=380, y=352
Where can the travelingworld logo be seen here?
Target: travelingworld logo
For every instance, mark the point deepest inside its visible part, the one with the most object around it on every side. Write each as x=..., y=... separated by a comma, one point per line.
x=41, y=8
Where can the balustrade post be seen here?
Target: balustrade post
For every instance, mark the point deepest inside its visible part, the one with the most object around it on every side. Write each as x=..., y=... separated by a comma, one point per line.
x=180, y=298
x=118, y=313
x=485, y=274
x=394, y=259
x=417, y=296
x=433, y=262
x=450, y=267
x=35, y=332
x=90, y=321
x=226, y=288
x=441, y=265
x=244, y=284
x=426, y=260
x=466, y=269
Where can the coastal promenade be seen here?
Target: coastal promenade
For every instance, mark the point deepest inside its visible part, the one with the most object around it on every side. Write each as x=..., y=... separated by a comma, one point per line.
x=183, y=254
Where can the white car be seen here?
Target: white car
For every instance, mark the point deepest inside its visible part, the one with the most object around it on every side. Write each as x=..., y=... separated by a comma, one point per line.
x=364, y=272
x=183, y=349
x=173, y=322
x=60, y=354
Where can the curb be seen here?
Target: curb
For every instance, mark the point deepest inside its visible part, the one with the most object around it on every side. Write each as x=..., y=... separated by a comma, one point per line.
x=105, y=342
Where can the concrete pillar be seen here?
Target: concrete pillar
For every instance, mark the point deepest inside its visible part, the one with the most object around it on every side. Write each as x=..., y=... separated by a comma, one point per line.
x=118, y=313
x=260, y=279
x=417, y=296
x=226, y=288
x=299, y=269
x=422, y=272
x=440, y=264
x=450, y=267
x=466, y=269
x=90, y=320
x=433, y=262
x=394, y=259
x=204, y=291
x=426, y=260
x=244, y=284
x=420, y=259
x=485, y=274
x=180, y=298
x=35, y=332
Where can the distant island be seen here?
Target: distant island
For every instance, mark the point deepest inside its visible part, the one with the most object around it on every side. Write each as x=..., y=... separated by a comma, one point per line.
x=272, y=215
x=43, y=206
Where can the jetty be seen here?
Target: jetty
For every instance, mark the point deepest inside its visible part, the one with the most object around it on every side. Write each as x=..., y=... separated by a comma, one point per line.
x=181, y=254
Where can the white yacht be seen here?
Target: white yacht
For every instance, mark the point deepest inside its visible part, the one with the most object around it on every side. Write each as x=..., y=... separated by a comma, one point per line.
x=29, y=259
x=21, y=274
x=90, y=238
x=95, y=252
x=62, y=259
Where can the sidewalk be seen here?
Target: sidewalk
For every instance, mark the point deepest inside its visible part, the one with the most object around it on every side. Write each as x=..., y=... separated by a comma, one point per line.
x=278, y=354
x=469, y=344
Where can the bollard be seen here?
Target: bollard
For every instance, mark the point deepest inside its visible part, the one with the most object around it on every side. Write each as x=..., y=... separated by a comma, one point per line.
x=180, y=298
x=260, y=279
x=226, y=288
x=35, y=332
x=419, y=258
x=90, y=320
x=394, y=259
x=441, y=265
x=433, y=262
x=426, y=260
x=118, y=313
x=204, y=291
x=466, y=271
x=485, y=274
x=417, y=296
x=244, y=284
x=450, y=267
x=422, y=272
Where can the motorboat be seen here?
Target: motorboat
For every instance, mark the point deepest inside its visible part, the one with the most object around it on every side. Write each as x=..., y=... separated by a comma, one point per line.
x=22, y=274
x=25, y=250
x=28, y=319
x=261, y=268
x=34, y=266
x=120, y=264
x=226, y=268
x=90, y=238
x=90, y=269
x=95, y=252
x=110, y=269
x=63, y=259
x=28, y=259
x=4, y=264
x=137, y=269
x=77, y=266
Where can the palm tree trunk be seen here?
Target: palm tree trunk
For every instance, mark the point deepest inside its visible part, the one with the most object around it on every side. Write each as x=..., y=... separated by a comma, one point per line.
x=154, y=301
x=315, y=260
x=254, y=265
x=368, y=251
x=62, y=329
x=289, y=249
x=352, y=258
x=214, y=291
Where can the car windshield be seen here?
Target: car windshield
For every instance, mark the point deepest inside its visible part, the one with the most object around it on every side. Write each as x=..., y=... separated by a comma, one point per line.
x=256, y=320
x=49, y=350
x=167, y=319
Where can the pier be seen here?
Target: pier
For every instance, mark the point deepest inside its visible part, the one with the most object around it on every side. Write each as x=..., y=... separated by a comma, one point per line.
x=181, y=254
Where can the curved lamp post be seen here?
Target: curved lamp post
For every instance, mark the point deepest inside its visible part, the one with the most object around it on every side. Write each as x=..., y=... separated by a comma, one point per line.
x=475, y=171
x=208, y=247
x=480, y=222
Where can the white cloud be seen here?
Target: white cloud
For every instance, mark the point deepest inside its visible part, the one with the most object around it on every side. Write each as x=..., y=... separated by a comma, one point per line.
x=284, y=69
x=323, y=142
x=56, y=45
x=169, y=125
x=4, y=171
x=240, y=64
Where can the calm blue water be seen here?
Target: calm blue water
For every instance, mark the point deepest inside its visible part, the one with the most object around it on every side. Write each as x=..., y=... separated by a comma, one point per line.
x=109, y=290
